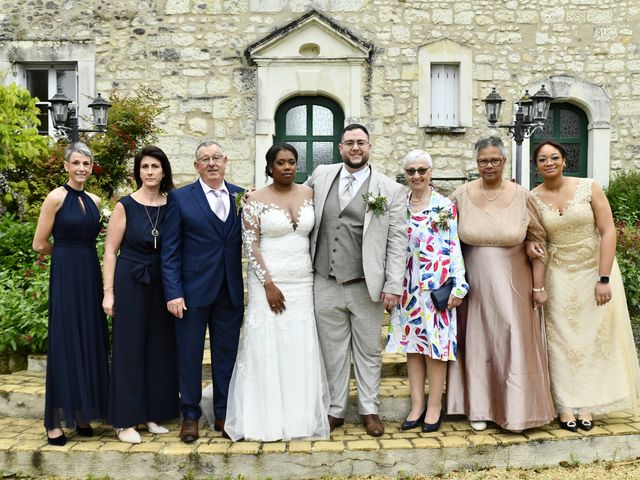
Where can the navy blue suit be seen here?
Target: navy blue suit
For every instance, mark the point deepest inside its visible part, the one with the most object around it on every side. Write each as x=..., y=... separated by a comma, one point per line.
x=201, y=262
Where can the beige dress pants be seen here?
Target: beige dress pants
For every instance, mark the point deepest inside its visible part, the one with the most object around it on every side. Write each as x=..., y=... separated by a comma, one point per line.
x=349, y=321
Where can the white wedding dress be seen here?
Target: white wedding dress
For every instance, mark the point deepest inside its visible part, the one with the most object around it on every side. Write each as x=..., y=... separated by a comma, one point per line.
x=278, y=390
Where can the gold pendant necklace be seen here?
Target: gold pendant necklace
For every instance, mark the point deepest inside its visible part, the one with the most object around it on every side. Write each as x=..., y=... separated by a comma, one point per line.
x=485, y=196
x=154, y=226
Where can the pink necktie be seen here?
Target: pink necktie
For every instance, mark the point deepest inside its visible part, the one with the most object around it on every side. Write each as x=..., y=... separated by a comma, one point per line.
x=219, y=207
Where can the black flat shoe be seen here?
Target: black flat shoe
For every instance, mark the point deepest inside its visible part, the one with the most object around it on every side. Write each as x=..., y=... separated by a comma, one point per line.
x=409, y=424
x=84, y=431
x=432, y=427
x=571, y=425
x=58, y=441
x=585, y=425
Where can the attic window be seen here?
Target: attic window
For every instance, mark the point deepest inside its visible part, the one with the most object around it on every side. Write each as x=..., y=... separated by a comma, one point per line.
x=310, y=50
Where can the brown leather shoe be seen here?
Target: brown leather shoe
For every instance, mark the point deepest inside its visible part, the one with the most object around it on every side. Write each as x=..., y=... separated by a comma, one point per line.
x=218, y=426
x=189, y=431
x=373, y=425
x=335, y=422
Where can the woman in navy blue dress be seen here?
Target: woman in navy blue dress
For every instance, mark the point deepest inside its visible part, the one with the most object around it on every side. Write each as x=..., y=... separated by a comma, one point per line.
x=77, y=372
x=144, y=377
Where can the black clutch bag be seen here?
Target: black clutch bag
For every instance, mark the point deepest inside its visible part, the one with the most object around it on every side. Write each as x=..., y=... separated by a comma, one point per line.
x=440, y=296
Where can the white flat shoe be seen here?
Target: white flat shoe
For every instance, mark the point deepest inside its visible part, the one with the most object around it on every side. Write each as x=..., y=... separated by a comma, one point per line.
x=153, y=427
x=128, y=435
x=478, y=426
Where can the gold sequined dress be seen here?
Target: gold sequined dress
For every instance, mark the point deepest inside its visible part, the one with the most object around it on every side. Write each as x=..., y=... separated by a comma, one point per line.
x=592, y=358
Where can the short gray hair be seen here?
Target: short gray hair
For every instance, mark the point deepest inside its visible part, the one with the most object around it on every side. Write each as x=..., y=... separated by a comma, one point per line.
x=489, y=142
x=208, y=143
x=414, y=155
x=80, y=148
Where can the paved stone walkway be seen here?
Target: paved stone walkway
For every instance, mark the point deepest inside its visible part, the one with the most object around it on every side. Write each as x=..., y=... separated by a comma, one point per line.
x=350, y=451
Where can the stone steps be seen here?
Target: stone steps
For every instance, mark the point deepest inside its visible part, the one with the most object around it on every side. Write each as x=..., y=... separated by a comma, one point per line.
x=23, y=451
x=22, y=396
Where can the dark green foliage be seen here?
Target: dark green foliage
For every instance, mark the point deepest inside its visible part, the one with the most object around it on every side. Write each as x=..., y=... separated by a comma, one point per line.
x=628, y=255
x=24, y=287
x=623, y=194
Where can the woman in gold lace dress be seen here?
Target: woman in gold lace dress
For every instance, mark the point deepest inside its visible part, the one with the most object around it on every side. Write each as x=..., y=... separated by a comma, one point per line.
x=501, y=374
x=592, y=357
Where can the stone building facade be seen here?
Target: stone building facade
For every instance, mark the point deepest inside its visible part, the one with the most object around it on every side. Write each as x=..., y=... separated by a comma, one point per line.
x=244, y=72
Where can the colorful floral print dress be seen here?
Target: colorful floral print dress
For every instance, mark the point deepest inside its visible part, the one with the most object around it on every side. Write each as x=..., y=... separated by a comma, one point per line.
x=433, y=256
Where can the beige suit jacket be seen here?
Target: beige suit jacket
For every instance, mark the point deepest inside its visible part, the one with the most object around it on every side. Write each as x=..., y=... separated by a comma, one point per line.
x=384, y=239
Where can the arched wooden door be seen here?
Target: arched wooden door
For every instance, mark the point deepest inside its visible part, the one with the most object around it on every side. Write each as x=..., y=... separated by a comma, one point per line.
x=312, y=125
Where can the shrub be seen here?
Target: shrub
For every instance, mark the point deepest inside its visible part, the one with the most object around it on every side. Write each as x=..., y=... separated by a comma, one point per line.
x=24, y=288
x=628, y=255
x=623, y=194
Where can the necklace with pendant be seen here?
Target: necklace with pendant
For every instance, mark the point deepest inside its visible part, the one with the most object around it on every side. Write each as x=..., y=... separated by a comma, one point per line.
x=154, y=226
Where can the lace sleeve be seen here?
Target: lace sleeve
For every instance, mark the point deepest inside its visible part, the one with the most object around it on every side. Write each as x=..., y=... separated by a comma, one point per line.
x=535, y=230
x=251, y=240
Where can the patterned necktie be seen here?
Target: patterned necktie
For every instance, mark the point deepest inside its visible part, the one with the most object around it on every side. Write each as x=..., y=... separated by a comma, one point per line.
x=219, y=207
x=347, y=192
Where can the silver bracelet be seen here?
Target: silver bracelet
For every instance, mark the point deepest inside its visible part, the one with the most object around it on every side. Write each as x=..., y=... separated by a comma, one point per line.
x=538, y=290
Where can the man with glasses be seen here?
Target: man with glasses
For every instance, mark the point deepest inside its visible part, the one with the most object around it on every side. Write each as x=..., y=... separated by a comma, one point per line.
x=202, y=275
x=358, y=251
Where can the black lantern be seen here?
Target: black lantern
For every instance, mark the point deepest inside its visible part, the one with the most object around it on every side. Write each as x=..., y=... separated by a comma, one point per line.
x=492, y=106
x=541, y=104
x=100, y=108
x=526, y=105
x=60, y=107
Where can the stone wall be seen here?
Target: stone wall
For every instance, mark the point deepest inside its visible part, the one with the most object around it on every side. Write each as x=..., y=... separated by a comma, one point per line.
x=192, y=51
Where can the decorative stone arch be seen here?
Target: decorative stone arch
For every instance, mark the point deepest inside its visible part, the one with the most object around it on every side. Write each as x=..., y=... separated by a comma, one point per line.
x=312, y=55
x=596, y=103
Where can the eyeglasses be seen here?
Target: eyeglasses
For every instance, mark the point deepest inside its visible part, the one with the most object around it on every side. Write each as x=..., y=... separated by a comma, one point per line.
x=552, y=158
x=412, y=171
x=353, y=143
x=215, y=159
x=495, y=162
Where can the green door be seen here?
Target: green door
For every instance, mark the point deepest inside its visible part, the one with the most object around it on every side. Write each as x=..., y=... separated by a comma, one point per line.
x=313, y=126
x=567, y=125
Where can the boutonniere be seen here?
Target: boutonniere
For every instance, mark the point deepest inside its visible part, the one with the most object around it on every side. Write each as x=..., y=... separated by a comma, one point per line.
x=238, y=201
x=378, y=203
x=440, y=218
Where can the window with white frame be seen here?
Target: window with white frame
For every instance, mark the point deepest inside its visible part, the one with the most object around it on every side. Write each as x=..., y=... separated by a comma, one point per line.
x=41, y=67
x=445, y=85
x=43, y=81
x=445, y=91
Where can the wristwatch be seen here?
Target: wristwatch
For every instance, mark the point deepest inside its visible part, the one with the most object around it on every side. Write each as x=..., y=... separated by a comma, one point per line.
x=603, y=279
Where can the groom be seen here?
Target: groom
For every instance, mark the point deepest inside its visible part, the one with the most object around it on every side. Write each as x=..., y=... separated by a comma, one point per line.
x=358, y=253
x=202, y=275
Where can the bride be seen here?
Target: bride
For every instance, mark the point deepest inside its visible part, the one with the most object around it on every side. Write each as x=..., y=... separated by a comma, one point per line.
x=278, y=389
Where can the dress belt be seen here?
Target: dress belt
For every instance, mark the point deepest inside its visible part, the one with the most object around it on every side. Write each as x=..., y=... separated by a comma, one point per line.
x=348, y=282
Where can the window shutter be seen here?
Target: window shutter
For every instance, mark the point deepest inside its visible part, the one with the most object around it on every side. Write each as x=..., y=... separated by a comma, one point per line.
x=444, y=95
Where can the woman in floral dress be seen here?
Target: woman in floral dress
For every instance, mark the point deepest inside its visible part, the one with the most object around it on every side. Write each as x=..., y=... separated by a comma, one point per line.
x=417, y=328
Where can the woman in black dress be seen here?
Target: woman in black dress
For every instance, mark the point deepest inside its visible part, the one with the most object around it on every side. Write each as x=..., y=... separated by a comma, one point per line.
x=77, y=372
x=144, y=378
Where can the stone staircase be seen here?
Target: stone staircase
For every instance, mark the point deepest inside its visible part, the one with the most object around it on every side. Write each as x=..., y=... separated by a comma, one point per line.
x=350, y=451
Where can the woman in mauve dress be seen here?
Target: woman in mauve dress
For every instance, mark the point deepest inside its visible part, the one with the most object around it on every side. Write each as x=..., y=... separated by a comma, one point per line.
x=501, y=374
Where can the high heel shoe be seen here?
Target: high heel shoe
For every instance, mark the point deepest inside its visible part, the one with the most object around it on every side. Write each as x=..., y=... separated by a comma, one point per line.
x=571, y=425
x=432, y=427
x=84, y=431
x=128, y=435
x=585, y=425
x=59, y=441
x=409, y=424
x=153, y=427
